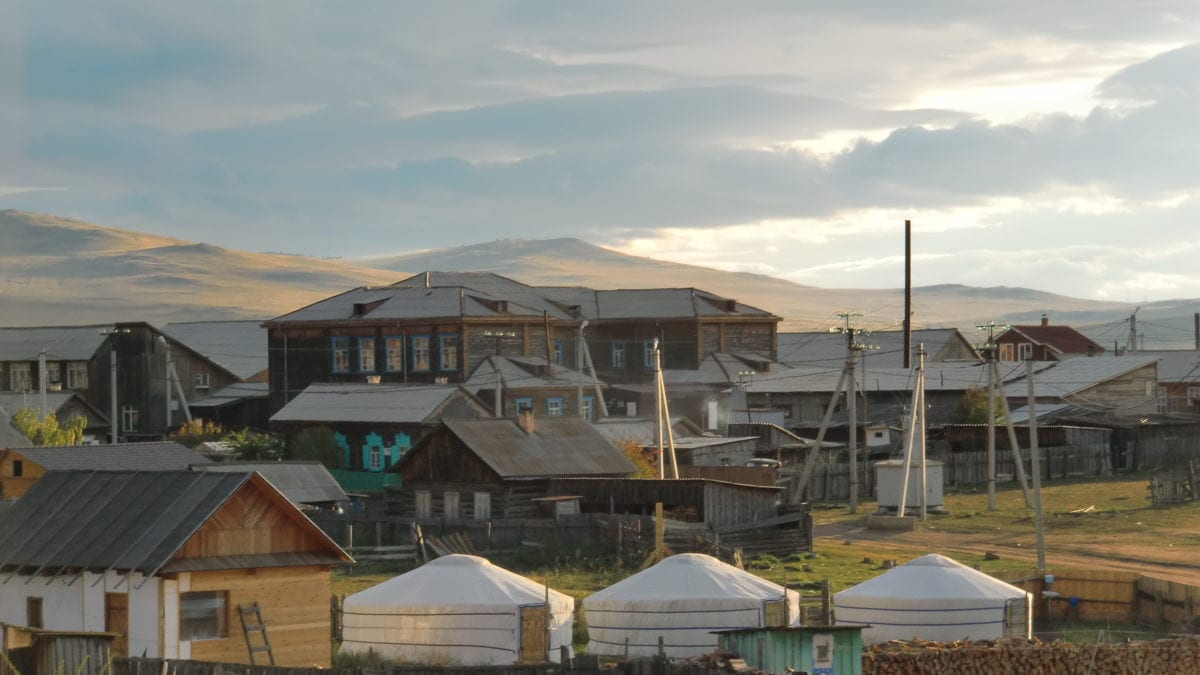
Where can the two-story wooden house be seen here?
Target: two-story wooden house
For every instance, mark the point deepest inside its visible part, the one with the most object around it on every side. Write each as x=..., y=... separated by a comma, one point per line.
x=1044, y=342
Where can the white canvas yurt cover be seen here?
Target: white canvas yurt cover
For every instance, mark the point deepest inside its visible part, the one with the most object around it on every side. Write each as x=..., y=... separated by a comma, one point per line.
x=455, y=610
x=934, y=598
x=682, y=599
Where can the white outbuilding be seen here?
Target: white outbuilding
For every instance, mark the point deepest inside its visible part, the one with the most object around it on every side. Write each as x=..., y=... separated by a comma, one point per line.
x=935, y=598
x=458, y=610
x=682, y=600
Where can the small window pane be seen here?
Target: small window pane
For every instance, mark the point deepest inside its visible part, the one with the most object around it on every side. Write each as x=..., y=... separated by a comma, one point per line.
x=420, y=353
x=449, y=352
x=202, y=615
x=395, y=353
x=366, y=355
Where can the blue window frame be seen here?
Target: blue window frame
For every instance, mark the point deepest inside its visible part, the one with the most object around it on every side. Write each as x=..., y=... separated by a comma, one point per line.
x=554, y=407
x=419, y=350
x=523, y=404
x=448, y=352
x=366, y=354
x=393, y=353
x=558, y=351
x=340, y=348
x=372, y=453
x=647, y=353
x=344, y=444
x=587, y=408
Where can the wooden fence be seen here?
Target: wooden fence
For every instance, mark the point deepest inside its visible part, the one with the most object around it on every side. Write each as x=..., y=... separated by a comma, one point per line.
x=1099, y=595
x=580, y=665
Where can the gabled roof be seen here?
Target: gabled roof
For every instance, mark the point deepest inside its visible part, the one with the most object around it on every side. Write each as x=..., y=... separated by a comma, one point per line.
x=239, y=347
x=949, y=376
x=62, y=343
x=1175, y=365
x=722, y=369
x=9, y=436
x=669, y=303
x=156, y=456
x=386, y=403
x=559, y=446
x=12, y=401
x=120, y=520
x=1062, y=339
x=829, y=349
x=525, y=372
x=1064, y=378
x=641, y=429
x=234, y=393
x=300, y=482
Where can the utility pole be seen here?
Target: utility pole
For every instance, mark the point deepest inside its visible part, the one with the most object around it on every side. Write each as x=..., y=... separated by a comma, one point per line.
x=42, y=382
x=853, y=347
x=169, y=381
x=1133, y=336
x=989, y=351
x=916, y=417
x=1035, y=462
x=663, y=418
x=1013, y=446
x=579, y=368
x=907, y=293
x=112, y=378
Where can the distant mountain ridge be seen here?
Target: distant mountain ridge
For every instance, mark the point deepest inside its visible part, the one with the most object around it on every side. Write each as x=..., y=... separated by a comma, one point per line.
x=60, y=271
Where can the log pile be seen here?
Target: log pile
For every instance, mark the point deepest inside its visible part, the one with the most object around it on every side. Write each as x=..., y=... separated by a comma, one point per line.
x=1032, y=657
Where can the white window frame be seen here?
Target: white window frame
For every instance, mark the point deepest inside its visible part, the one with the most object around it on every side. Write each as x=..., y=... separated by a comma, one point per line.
x=423, y=506
x=1025, y=351
x=375, y=457
x=394, y=345
x=555, y=406
x=201, y=380
x=618, y=355
x=451, y=498
x=77, y=375
x=129, y=418
x=366, y=354
x=420, y=352
x=483, y=506
x=19, y=378
x=587, y=408
x=448, y=352
x=341, y=353
x=1193, y=393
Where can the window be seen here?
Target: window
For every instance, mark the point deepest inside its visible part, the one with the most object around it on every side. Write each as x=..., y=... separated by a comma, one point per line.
x=33, y=612
x=18, y=377
x=18, y=468
x=554, y=407
x=77, y=375
x=366, y=355
x=1149, y=389
x=1025, y=351
x=53, y=373
x=424, y=504
x=395, y=353
x=558, y=351
x=200, y=380
x=129, y=418
x=483, y=506
x=618, y=355
x=448, y=352
x=1193, y=393
x=1006, y=352
x=523, y=405
x=647, y=353
x=450, y=505
x=587, y=408
x=202, y=615
x=376, y=458
x=420, y=352
x=341, y=354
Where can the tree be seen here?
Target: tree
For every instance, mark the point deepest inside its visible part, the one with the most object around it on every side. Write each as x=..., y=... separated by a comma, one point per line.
x=194, y=432
x=255, y=447
x=317, y=444
x=972, y=409
x=641, y=458
x=47, y=431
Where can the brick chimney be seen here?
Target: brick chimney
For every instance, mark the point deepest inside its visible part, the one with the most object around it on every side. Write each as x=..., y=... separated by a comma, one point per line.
x=525, y=421
x=1045, y=320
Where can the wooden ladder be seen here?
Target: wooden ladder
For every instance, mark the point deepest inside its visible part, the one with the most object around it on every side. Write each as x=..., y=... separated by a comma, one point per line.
x=254, y=612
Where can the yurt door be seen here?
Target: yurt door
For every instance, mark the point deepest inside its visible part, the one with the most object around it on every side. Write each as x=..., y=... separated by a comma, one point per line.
x=775, y=613
x=535, y=634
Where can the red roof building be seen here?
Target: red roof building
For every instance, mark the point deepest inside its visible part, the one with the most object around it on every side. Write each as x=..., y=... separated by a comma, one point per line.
x=1044, y=342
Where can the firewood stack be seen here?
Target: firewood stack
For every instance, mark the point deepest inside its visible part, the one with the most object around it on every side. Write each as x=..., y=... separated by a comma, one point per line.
x=1031, y=657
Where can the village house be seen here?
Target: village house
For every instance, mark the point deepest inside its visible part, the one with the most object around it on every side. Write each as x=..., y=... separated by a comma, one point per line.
x=164, y=559
x=493, y=468
x=828, y=350
x=308, y=485
x=65, y=405
x=1044, y=342
x=1126, y=385
x=1178, y=379
x=239, y=347
x=533, y=384
x=22, y=467
x=440, y=326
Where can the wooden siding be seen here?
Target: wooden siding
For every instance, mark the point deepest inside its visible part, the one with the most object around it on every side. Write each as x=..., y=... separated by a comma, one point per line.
x=251, y=522
x=1132, y=393
x=14, y=487
x=509, y=500
x=756, y=337
x=442, y=457
x=718, y=504
x=295, y=608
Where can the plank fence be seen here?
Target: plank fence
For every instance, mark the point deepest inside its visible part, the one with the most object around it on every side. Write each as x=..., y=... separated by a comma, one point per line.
x=1099, y=595
x=580, y=665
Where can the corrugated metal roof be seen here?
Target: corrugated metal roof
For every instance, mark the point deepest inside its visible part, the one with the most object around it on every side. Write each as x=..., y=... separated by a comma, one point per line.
x=660, y=303
x=237, y=346
x=238, y=391
x=641, y=429
x=155, y=456
x=949, y=376
x=122, y=521
x=559, y=446
x=1062, y=339
x=62, y=343
x=9, y=436
x=525, y=372
x=829, y=349
x=1063, y=378
x=300, y=482
x=1174, y=365
x=12, y=401
x=380, y=403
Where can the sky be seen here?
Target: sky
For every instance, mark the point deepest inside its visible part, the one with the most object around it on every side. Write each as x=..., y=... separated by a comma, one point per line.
x=1053, y=145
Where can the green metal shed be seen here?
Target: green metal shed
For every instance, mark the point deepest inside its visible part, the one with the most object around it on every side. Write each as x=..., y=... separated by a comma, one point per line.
x=815, y=650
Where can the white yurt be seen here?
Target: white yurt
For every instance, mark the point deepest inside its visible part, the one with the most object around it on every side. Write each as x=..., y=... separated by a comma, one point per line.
x=682, y=599
x=934, y=598
x=458, y=610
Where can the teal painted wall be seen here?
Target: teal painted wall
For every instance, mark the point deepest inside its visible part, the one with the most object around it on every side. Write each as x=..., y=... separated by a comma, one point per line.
x=775, y=651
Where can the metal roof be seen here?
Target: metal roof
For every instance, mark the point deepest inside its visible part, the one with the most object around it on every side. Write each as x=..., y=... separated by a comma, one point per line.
x=234, y=393
x=300, y=482
x=12, y=401
x=829, y=349
x=525, y=372
x=723, y=369
x=1174, y=365
x=9, y=436
x=155, y=456
x=559, y=446
x=116, y=520
x=1063, y=378
x=669, y=303
x=641, y=429
x=237, y=346
x=1062, y=339
x=62, y=343
x=387, y=403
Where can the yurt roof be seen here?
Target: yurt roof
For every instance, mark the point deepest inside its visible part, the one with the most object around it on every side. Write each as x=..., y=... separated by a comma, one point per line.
x=690, y=576
x=457, y=580
x=931, y=577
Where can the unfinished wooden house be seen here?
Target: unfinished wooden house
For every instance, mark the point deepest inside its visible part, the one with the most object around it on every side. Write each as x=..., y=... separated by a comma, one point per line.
x=165, y=559
x=21, y=468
